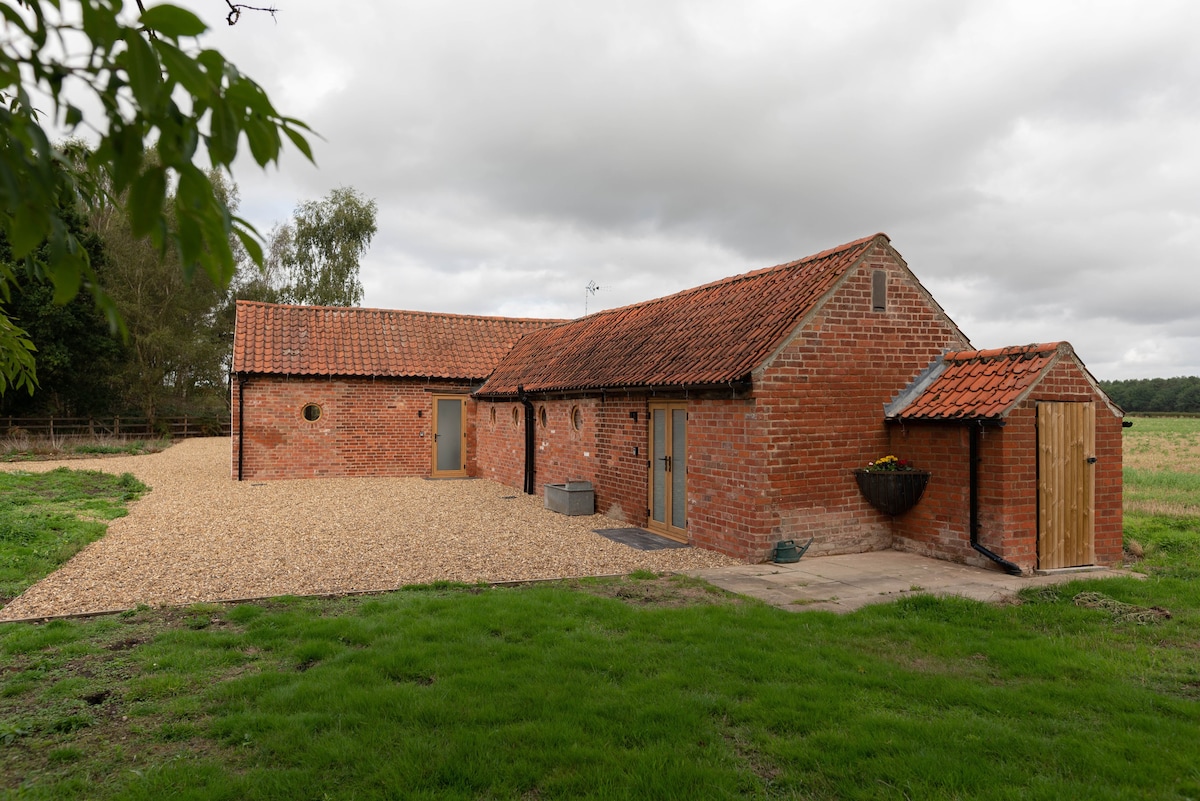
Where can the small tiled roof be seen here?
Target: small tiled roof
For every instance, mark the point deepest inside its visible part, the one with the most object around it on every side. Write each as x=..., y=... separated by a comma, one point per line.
x=709, y=335
x=978, y=384
x=326, y=340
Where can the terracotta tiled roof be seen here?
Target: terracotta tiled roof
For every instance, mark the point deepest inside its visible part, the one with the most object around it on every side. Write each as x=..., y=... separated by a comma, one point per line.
x=328, y=340
x=978, y=384
x=712, y=334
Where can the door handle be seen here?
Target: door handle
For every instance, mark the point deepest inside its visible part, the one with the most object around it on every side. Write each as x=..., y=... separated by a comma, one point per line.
x=1091, y=460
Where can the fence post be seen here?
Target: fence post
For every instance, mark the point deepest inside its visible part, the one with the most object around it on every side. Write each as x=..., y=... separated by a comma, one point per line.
x=117, y=426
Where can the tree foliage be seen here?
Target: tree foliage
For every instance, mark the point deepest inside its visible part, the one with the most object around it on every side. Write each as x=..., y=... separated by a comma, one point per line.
x=78, y=356
x=1181, y=394
x=317, y=254
x=152, y=83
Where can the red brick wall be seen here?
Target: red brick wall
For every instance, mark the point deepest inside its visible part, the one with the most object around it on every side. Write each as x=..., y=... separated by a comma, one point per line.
x=608, y=449
x=368, y=427
x=820, y=409
x=726, y=461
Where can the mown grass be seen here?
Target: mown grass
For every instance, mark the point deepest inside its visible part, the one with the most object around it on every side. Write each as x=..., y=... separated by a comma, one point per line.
x=46, y=518
x=610, y=689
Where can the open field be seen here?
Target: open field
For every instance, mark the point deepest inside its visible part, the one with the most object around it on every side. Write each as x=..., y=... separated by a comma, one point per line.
x=1162, y=466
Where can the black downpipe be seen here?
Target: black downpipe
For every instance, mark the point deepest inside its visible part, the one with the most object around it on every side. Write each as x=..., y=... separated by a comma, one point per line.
x=241, y=379
x=530, y=443
x=1008, y=566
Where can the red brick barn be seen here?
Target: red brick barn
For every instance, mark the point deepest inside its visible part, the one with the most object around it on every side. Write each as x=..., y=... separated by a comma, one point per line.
x=331, y=391
x=730, y=416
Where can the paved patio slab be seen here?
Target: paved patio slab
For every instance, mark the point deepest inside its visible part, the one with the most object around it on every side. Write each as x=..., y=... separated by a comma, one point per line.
x=847, y=582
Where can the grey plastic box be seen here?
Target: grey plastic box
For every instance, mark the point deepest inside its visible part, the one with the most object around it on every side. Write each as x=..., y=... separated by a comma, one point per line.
x=572, y=498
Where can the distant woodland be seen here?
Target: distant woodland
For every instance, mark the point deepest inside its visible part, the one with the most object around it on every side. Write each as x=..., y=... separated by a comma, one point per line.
x=1180, y=394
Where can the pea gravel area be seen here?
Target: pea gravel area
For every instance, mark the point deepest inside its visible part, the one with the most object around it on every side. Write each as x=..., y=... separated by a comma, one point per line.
x=199, y=536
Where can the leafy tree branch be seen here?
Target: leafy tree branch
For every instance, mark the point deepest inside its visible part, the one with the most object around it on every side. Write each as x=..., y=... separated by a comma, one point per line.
x=154, y=85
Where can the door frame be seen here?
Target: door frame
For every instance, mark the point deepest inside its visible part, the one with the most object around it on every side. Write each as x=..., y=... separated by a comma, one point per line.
x=461, y=472
x=665, y=528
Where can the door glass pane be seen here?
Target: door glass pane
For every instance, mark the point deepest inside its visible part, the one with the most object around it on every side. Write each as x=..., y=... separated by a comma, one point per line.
x=679, y=468
x=658, y=434
x=449, y=434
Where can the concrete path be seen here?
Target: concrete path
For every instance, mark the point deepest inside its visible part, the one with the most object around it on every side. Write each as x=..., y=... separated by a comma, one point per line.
x=850, y=581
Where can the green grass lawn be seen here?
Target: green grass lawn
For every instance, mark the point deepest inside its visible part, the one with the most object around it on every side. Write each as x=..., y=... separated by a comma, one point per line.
x=46, y=518
x=641, y=687
x=629, y=688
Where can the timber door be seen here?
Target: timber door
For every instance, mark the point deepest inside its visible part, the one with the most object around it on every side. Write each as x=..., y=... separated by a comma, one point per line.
x=1066, y=435
x=449, y=437
x=668, y=470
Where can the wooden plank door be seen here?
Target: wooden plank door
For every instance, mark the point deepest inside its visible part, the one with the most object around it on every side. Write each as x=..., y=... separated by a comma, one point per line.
x=668, y=470
x=1066, y=435
x=449, y=436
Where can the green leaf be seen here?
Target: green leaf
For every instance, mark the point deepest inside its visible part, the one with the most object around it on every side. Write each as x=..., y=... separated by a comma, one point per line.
x=184, y=70
x=73, y=116
x=29, y=228
x=250, y=243
x=263, y=138
x=145, y=203
x=173, y=21
x=100, y=24
x=300, y=142
x=143, y=69
x=223, y=138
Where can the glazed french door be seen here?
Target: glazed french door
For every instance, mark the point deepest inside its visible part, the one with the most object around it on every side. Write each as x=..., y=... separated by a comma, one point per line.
x=668, y=470
x=449, y=436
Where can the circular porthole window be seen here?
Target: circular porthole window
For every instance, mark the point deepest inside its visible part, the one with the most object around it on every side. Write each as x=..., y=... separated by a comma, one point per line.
x=312, y=412
x=542, y=416
x=516, y=415
x=576, y=418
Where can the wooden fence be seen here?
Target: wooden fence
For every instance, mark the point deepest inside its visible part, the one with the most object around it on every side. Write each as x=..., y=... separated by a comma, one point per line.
x=121, y=427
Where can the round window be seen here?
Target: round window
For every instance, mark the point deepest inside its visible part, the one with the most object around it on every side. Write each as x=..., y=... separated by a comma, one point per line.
x=577, y=418
x=516, y=415
x=542, y=416
x=492, y=415
x=312, y=412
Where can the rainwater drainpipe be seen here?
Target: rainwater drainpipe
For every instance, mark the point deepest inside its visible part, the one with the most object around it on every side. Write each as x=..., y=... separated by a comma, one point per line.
x=530, y=443
x=1008, y=566
x=241, y=379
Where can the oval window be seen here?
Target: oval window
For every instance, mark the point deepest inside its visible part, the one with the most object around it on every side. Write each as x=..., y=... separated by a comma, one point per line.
x=312, y=412
x=577, y=418
x=516, y=417
x=542, y=416
x=493, y=417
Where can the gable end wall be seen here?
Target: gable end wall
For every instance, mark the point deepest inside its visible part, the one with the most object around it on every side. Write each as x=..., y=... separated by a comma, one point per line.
x=820, y=406
x=368, y=427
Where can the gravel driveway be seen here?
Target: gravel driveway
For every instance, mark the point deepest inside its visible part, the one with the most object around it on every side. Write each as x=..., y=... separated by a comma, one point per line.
x=198, y=536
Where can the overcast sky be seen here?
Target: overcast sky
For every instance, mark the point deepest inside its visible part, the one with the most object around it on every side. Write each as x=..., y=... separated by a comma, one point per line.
x=1037, y=164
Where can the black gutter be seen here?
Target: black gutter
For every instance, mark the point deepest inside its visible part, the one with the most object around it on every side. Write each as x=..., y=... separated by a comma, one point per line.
x=530, y=443
x=1008, y=566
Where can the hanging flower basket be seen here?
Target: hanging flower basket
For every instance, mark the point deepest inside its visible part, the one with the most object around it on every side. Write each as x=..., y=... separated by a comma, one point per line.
x=890, y=490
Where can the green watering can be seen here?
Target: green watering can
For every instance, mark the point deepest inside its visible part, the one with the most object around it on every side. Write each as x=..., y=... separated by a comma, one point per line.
x=786, y=551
